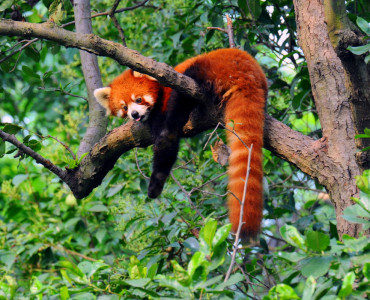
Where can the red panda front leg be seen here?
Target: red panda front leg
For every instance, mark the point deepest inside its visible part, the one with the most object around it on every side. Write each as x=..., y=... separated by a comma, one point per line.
x=166, y=143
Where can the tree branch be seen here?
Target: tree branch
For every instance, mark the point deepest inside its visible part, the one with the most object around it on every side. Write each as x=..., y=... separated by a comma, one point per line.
x=37, y=157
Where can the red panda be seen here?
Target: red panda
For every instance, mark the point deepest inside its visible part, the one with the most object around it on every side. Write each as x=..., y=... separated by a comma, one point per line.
x=232, y=80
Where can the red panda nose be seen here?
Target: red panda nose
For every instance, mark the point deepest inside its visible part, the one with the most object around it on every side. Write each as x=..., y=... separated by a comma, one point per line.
x=135, y=114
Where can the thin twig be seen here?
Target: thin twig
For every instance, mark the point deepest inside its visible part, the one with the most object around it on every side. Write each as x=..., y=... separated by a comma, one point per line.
x=116, y=23
x=187, y=196
x=18, y=50
x=41, y=160
x=207, y=182
x=230, y=31
x=210, y=136
x=178, y=213
x=218, y=28
x=138, y=167
x=74, y=253
x=299, y=188
x=60, y=142
x=62, y=92
x=240, y=215
x=273, y=237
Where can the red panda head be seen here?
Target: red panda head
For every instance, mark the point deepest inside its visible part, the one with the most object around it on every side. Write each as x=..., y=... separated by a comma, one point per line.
x=131, y=93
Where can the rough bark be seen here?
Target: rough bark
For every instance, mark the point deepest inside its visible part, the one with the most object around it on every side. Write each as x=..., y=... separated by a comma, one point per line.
x=97, y=126
x=343, y=33
x=332, y=102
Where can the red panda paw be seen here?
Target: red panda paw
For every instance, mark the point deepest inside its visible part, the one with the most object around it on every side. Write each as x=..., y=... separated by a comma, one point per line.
x=156, y=184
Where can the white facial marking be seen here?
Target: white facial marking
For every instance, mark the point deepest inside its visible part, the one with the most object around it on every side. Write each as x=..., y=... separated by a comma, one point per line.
x=108, y=112
x=149, y=99
x=122, y=102
x=133, y=97
x=119, y=113
x=141, y=109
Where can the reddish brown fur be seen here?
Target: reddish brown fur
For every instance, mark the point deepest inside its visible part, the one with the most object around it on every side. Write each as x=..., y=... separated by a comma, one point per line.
x=242, y=86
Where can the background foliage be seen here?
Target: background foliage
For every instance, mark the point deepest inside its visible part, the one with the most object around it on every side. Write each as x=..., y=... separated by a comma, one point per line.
x=116, y=243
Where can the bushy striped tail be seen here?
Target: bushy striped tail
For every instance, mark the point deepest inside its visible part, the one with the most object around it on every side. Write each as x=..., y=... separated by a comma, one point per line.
x=245, y=116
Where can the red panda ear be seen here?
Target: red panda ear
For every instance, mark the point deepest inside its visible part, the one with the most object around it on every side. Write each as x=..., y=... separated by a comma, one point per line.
x=137, y=75
x=102, y=95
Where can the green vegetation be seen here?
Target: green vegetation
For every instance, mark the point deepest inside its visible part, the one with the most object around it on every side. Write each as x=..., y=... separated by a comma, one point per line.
x=118, y=244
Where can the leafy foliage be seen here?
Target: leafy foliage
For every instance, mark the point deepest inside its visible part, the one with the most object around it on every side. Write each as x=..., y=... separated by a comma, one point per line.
x=118, y=244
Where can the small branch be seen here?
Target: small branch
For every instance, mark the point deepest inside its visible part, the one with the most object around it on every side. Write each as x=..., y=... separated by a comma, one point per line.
x=207, y=182
x=138, y=167
x=236, y=242
x=18, y=50
x=230, y=31
x=218, y=28
x=187, y=196
x=116, y=23
x=71, y=252
x=45, y=162
x=60, y=142
x=62, y=92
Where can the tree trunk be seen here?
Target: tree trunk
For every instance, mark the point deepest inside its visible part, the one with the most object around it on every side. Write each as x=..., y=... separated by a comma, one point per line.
x=333, y=107
x=97, y=121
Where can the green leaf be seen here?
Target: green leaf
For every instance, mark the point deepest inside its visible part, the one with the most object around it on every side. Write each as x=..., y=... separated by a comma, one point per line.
x=221, y=235
x=138, y=282
x=181, y=275
x=35, y=145
x=209, y=282
x=366, y=270
x=11, y=128
x=359, y=49
x=206, y=235
x=5, y=5
x=292, y=256
x=355, y=244
x=282, y=292
x=316, y=266
x=367, y=59
x=292, y=236
x=56, y=11
x=218, y=256
x=364, y=25
x=196, y=261
x=2, y=148
x=64, y=295
x=35, y=55
x=98, y=208
x=18, y=179
x=71, y=267
x=348, y=281
x=251, y=7
x=317, y=241
x=234, y=279
x=152, y=271
x=309, y=288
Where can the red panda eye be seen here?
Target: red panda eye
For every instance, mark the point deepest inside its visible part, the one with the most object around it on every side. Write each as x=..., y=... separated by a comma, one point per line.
x=138, y=100
x=125, y=107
